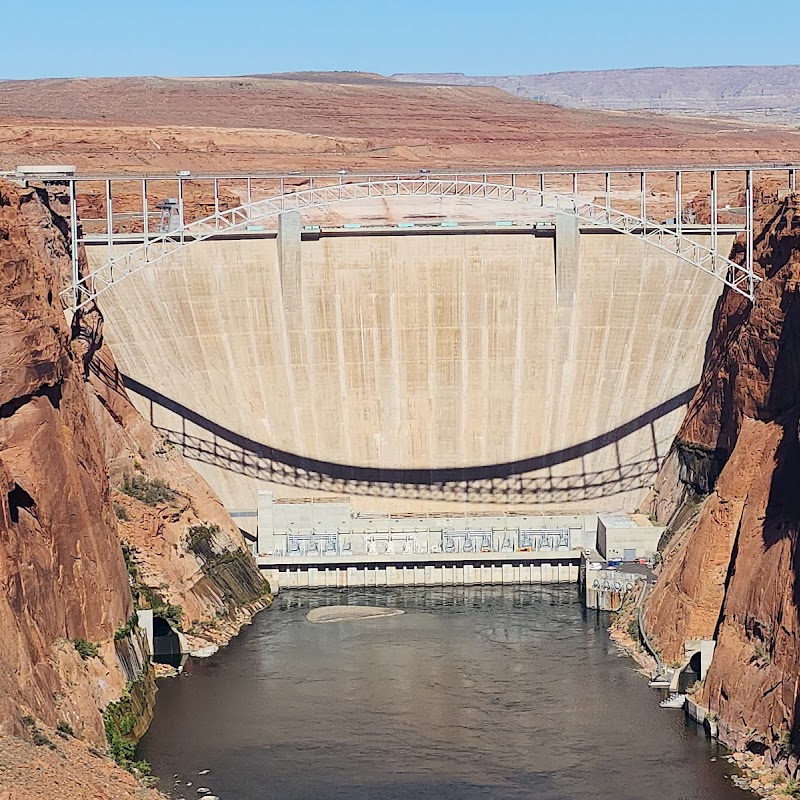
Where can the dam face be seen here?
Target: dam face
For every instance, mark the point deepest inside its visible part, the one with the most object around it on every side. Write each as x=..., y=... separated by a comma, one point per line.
x=419, y=352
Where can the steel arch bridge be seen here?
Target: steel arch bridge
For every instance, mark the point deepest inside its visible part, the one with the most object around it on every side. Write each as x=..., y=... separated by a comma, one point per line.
x=85, y=288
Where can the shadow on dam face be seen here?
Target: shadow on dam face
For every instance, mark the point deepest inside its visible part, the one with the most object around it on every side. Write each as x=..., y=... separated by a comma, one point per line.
x=529, y=480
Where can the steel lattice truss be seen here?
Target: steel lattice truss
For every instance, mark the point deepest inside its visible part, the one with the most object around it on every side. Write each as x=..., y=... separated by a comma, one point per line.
x=740, y=278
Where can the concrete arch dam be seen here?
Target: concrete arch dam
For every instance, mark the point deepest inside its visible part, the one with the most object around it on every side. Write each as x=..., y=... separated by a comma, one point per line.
x=435, y=368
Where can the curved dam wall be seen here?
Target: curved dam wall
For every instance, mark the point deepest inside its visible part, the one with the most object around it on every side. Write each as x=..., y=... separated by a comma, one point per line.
x=406, y=354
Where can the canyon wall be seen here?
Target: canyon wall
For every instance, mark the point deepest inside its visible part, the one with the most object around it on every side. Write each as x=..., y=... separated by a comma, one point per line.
x=61, y=567
x=78, y=467
x=731, y=571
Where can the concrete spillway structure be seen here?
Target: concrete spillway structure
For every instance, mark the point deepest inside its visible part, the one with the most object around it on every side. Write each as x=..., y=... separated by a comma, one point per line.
x=415, y=353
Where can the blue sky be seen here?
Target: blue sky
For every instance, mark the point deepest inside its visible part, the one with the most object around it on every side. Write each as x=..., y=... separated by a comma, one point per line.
x=51, y=38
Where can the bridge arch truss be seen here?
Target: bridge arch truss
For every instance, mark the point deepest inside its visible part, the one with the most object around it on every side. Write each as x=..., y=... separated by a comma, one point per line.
x=155, y=247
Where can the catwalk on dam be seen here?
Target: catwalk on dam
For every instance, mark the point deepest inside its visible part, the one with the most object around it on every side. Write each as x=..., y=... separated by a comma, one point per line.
x=474, y=692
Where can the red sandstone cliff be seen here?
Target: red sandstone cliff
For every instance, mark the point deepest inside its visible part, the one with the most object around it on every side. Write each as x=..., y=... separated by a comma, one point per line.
x=69, y=439
x=732, y=571
x=62, y=571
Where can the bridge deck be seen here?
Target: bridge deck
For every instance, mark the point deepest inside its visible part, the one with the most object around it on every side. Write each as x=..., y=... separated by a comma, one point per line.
x=492, y=170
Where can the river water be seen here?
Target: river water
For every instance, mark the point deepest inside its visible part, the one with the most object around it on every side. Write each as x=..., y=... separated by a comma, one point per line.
x=484, y=692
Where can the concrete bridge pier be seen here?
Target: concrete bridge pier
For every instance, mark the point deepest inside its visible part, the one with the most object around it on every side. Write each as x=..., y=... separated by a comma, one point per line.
x=568, y=250
x=290, y=261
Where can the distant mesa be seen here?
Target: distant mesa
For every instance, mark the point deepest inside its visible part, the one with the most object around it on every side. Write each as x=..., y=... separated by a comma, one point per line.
x=770, y=94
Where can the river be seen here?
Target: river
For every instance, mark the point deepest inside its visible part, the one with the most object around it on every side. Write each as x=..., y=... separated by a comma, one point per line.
x=474, y=692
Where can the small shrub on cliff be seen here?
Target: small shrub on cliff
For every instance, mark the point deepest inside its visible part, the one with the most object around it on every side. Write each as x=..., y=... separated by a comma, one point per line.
x=121, y=512
x=633, y=630
x=120, y=749
x=229, y=557
x=141, y=769
x=40, y=740
x=119, y=720
x=761, y=656
x=785, y=747
x=150, y=491
x=127, y=629
x=201, y=533
x=130, y=553
x=792, y=788
x=86, y=650
x=64, y=729
x=37, y=737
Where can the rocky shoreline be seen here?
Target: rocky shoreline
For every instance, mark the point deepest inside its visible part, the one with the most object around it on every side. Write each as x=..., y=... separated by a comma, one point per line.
x=757, y=773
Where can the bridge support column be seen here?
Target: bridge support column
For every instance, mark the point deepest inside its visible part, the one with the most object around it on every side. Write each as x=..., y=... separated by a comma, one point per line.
x=568, y=249
x=290, y=259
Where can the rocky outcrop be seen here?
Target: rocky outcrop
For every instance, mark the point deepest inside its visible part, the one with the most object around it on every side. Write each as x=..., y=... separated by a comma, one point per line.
x=732, y=571
x=62, y=767
x=79, y=525
x=187, y=558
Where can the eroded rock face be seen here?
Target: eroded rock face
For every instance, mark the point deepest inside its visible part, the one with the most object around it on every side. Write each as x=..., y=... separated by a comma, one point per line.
x=62, y=573
x=734, y=571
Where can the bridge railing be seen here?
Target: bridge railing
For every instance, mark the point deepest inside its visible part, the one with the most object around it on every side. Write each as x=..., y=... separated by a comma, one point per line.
x=125, y=259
